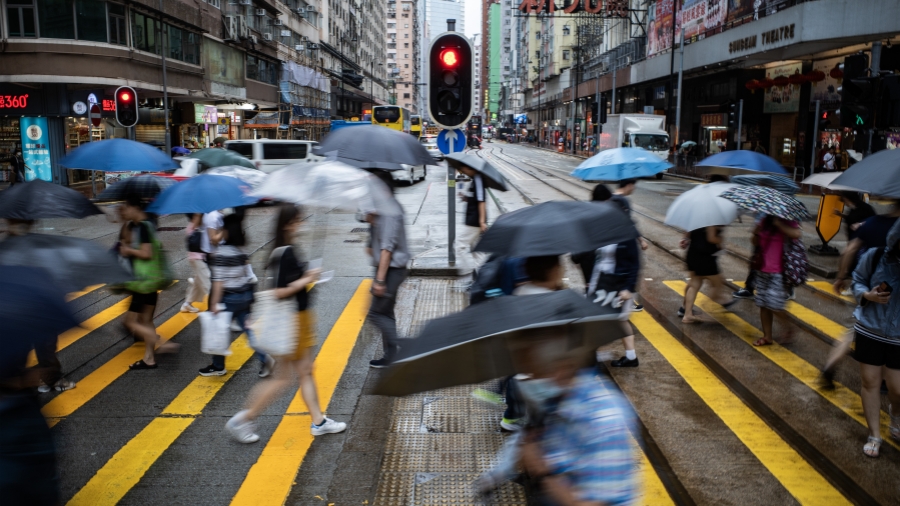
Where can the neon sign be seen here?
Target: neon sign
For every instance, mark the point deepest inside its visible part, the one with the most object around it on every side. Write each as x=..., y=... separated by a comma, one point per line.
x=606, y=8
x=109, y=105
x=13, y=101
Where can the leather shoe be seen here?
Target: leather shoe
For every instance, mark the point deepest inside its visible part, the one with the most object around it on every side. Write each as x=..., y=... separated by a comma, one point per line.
x=624, y=362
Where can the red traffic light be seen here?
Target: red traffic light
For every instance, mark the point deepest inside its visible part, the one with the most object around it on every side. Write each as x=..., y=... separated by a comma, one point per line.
x=125, y=96
x=449, y=58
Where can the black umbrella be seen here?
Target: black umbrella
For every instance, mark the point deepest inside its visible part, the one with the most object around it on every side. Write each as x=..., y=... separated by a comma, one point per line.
x=557, y=228
x=374, y=147
x=39, y=199
x=474, y=345
x=74, y=263
x=490, y=175
x=145, y=186
x=878, y=174
x=33, y=311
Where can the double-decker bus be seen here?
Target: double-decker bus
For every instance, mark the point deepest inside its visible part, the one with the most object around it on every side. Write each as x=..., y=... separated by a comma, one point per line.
x=415, y=126
x=391, y=116
x=474, y=126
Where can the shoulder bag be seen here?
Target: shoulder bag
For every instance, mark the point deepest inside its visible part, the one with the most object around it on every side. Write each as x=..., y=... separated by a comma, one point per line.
x=275, y=320
x=150, y=275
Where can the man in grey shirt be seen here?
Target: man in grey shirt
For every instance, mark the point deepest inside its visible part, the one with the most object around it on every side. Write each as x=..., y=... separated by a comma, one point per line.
x=390, y=256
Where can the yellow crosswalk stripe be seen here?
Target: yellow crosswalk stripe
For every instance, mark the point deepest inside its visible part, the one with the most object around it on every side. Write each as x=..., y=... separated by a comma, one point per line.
x=74, y=295
x=826, y=288
x=824, y=325
x=270, y=479
x=842, y=397
x=125, y=469
x=653, y=492
x=797, y=476
x=91, y=324
x=67, y=402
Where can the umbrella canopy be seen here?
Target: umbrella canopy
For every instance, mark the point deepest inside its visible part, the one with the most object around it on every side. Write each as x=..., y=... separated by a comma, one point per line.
x=878, y=174
x=253, y=177
x=702, y=207
x=330, y=184
x=761, y=199
x=826, y=180
x=118, y=155
x=179, y=150
x=39, y=199
x=33, y=310
x=557, y=228
x=740, y=162
x=490, y=175
x=620, y=163
x=145, y=186
x=218, y=157
x=74, y=263
x=374, y=147
x=474, y=345
x=203, y=194
x=780, y=183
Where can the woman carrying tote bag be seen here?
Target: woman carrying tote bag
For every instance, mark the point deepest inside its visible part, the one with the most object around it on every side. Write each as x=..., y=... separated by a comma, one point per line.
x=292, y=280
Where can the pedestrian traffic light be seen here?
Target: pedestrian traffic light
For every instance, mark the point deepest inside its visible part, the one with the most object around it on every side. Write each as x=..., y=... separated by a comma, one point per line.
x=603, y=106
x=853, y=68
x=126, y=106
x=450, y=78
x=858, y=101
x=825, y=121
x=732, y=114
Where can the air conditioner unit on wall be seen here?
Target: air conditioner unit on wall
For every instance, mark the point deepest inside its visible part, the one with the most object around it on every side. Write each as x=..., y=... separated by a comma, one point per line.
x=231, y=28
x=311, y=8
x=278, y=22
x=260, y=12
x=300, y=11
x=253, y=39
x=313, y=47
x=299, y=47
x=243, y=28
x=245, y=2
x=267, y=36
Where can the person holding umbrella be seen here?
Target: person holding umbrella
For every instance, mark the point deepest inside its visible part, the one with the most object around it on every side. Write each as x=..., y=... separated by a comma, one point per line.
x=771, y=291
x=483, y=176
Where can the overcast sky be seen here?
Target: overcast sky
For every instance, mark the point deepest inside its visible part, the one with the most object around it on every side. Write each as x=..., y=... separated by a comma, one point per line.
x=473, y=17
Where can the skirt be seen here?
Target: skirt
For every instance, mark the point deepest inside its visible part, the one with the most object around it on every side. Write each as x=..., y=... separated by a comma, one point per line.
x=770, y=291
x=306, y=328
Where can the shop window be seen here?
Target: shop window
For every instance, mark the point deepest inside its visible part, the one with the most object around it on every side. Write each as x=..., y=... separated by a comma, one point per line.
x=90, y=16
x=144, y=30
x=55, y=19
x=20, y=18
x=118, y=33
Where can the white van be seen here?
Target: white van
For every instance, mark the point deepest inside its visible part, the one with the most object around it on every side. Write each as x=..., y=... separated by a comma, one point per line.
x=269, y=155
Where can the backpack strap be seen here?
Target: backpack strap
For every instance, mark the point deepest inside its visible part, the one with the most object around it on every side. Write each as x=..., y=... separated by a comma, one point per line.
x=274, y=257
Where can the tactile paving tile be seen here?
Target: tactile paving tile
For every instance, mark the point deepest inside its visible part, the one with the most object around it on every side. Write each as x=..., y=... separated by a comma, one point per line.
x=487, y=443
x=404, y=462
x=410, y=443
x=391, y=501
x=411, y=403
x=508, y=494
x=447, y=489
x=451, y=442
x=406, y=423
x=479, y=406
x=445, y=405
x=396, y=485
x=451, y=462
x=445, y=423
x=481, y=423
x=485, y=461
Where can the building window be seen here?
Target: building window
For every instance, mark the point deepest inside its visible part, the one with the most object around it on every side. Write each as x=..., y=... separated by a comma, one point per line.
x=406, y=44
x=392, y=25
x=261, y=70
x=405, y=35
x=406, y=15
x=537, y=35
x=406, y=65
x=565, y=54
x=406, y=95
x=405, y=25
x=90, y=16
x=215, y=3
x=537, y=54
x=118, y=33
x=144, y=30
x=20, y=18
x=55, y=19
x=406, y=55
x=566, y=30
x=406, y=85
x=183, y=45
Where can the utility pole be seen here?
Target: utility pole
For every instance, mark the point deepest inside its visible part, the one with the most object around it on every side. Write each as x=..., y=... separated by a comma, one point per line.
x=165, y=86
x=680, y=78
x=815, y=136
x=876, y=68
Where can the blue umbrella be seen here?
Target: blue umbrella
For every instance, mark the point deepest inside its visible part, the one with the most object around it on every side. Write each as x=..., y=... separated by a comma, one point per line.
x=118, y=155
x=202, y=194
x=782, y=184
x=178, y=150
x=620, y=163
x=740, y=162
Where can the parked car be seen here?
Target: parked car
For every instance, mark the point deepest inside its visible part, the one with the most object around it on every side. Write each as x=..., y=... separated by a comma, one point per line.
x=430, y=143
x=410, y=174
x=269, y=155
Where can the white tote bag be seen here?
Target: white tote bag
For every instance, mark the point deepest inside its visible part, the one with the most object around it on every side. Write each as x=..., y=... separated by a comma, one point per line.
x=215, y=332
x=275, y=320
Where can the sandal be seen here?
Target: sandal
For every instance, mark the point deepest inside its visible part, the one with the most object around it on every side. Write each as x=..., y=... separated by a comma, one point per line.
x=140, y=365
x=762, y=341
x=895, y=424
x=872, y=447
x=63, y=385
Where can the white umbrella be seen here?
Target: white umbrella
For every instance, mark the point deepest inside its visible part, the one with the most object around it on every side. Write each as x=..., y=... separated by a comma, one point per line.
x=825, y=179
x=253, y=177
x=330, y=185
x=702, y=207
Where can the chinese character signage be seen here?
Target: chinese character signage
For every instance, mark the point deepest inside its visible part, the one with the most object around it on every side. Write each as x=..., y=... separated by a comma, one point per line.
x=205, y=114
x=691, y=17
x=36, y=148
x=782, y=97
x=659, y=29
x=826, y=90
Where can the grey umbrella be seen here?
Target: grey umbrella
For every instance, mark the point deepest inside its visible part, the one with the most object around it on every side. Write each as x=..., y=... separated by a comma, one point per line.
x=39, y=199
x=74, y=263
x=878, y=174
x=374, y=147
x=476, y=344
x=490, y=175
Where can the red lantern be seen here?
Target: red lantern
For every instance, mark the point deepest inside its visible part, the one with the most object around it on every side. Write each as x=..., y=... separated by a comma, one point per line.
x=816, y=76
x=797, y=79
x=780, y=81
x=836, y=73
x=752, y=85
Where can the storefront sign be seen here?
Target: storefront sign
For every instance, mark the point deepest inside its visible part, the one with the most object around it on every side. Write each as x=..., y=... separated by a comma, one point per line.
x=79, y=108
x=712, y=120
x=691, y=17
x=785, y=98
x=826, y=90
x=205, y=114
x=13, y=102
x=778, y=34
x=606, y=8
x=36, y=148
x=742, y=44
x=224, y=64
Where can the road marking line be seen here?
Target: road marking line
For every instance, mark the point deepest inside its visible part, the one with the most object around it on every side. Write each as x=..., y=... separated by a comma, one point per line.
x=126, y=468
x=824, y=325
x=827, y=288
x=74, y=295
x=652, y=492
x=67, y=402
x=270, y=479
x=787, y=466
x=842, y=397
x=91, y=324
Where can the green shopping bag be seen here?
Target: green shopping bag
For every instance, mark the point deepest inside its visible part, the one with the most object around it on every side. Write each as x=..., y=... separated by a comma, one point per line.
x=150, y=275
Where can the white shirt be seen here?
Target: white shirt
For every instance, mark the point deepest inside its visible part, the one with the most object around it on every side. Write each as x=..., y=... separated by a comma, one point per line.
x=829, y=161
x=213, y=220
x=476, y=188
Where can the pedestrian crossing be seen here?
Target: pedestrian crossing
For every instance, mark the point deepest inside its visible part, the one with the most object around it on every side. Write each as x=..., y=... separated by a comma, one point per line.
x=270, y=479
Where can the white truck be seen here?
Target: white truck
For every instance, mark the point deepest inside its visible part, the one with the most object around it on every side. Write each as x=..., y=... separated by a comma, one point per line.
x=645, y=131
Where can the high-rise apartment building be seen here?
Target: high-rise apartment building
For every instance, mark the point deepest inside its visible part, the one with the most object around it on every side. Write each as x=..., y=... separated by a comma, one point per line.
x=477, y=107
x=403, y=54
x=437, y=12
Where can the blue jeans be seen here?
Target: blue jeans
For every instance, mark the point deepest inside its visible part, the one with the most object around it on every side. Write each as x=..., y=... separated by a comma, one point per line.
x=239, y=305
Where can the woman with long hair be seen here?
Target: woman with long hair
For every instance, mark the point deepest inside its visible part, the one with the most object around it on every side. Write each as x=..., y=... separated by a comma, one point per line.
x=292, y=281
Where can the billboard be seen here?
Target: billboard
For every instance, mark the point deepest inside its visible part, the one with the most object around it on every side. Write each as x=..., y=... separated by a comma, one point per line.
x=36, y=148
x=691, y=17
x=826, y=90
x=782, y=98
x=659, y=27
x=716, y=12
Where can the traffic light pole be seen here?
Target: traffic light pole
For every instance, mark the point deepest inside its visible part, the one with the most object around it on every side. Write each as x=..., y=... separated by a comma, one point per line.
x=740, y=119
x=451, y=204
x=815, y=138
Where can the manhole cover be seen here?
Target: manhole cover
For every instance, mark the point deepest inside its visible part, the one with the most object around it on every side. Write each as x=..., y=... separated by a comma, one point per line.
x=359, y=230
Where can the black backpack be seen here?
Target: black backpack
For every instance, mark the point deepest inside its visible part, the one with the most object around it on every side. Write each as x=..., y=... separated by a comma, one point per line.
x=194, y=241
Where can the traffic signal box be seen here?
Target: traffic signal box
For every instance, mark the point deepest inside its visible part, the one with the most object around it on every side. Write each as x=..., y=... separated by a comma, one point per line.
x=126, y=106
x=858, y=93
x=450, y=80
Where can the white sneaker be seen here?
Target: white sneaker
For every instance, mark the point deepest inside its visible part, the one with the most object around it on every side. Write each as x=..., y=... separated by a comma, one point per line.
x=242, y=430
x=187, y=308
x=329, y=426
x=267, y=367
x=235, y=327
